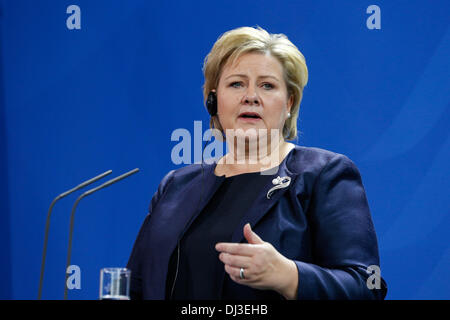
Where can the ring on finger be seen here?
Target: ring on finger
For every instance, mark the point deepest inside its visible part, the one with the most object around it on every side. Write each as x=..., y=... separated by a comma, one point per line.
x=241, y=273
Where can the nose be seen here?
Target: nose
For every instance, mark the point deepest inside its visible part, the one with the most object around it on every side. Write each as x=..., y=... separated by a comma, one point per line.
x=251, y=97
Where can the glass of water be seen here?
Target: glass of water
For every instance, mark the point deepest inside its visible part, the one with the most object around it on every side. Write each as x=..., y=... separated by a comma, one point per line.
x=115, y=284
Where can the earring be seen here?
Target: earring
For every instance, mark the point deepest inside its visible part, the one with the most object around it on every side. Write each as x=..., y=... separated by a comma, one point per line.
x=289, y=115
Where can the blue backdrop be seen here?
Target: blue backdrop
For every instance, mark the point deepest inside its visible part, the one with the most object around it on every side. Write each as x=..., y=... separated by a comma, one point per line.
x=77, y=102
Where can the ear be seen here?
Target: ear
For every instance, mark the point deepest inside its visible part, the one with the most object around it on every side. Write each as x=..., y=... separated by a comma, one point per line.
x=290, y=102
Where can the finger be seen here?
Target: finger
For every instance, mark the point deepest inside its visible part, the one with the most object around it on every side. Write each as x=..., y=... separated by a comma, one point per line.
x=241, y=249
x=251, y=236
x=235, y=260
x=236, y=279
x=235, y=274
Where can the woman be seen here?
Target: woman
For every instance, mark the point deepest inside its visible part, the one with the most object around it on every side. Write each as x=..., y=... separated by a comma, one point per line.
x=269, y=220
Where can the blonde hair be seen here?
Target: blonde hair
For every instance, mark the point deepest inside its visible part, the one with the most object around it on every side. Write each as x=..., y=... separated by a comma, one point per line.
x=234, y=43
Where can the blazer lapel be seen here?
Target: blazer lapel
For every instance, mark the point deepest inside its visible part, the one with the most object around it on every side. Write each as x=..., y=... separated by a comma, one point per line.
x=180, y=208
x=205, y=188
x=262, y=205
x=199, y=192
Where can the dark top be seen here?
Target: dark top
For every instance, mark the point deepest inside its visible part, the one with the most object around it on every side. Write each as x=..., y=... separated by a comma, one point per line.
x=199, y=261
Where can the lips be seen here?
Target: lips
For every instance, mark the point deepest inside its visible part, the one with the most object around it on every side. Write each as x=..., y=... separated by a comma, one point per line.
x=250, y=115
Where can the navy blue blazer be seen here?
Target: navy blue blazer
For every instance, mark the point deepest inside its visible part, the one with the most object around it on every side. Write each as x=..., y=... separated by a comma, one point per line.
x=321, y=221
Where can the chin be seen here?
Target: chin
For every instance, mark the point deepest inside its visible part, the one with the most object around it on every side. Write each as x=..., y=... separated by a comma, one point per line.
x=248, y=131
x=250, y=135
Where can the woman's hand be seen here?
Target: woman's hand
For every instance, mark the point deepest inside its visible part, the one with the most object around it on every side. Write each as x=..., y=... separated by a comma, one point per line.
x=264, y=267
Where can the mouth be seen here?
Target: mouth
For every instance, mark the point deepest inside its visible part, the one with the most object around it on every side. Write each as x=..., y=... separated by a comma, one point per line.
x=249, y=116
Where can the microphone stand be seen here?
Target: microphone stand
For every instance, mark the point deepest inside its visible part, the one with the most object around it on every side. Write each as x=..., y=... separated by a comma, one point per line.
x=47, y=223
x=72, y=217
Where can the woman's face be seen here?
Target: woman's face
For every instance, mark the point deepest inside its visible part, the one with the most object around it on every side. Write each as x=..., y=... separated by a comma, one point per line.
x=252, y=94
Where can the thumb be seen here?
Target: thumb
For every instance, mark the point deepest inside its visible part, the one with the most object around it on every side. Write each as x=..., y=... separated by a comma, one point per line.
x=250, y=236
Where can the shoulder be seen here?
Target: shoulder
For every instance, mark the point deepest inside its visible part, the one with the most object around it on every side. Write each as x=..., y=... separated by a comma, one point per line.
x=191, y=171
x=319, y=174
x=177, y=178
x=186, y=173
x=316, y=160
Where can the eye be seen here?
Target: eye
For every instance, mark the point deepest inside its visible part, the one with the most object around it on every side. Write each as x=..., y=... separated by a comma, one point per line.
x=236, y=84
x=267, y=85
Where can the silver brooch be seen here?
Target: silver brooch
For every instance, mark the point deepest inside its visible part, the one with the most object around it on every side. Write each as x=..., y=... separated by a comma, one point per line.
x=279, y=182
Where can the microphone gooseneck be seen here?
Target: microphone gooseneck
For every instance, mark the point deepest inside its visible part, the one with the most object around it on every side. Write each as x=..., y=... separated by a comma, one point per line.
x=47, y=223
x=72, y=217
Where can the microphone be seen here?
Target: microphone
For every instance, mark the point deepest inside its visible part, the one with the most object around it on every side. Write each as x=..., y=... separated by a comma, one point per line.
x=47, y=223
x=72, y=217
